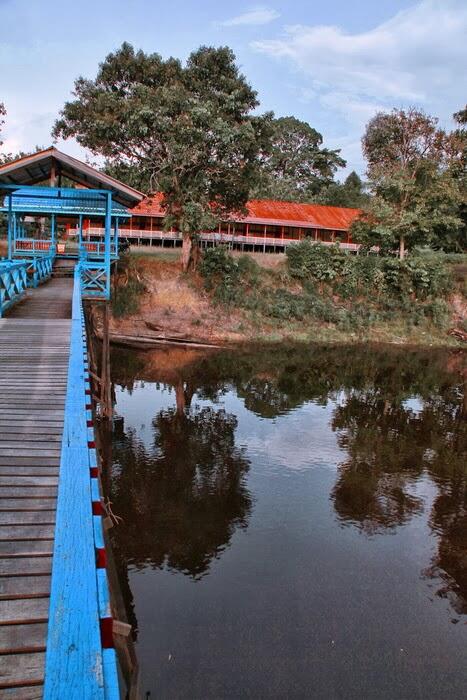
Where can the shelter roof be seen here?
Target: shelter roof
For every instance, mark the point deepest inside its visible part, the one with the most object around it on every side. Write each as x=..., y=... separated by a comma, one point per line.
x=273, y=212
x=62, y=201
x=40, y=166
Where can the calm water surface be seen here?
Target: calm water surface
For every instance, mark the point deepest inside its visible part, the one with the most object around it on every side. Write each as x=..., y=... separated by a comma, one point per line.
x=294, y=521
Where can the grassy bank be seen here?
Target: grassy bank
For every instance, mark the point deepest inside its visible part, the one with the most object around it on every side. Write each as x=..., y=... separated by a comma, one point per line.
x=316, y=293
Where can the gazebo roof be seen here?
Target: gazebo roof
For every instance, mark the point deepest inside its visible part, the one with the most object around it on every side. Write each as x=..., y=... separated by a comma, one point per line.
x=62, y=201
x=50, y=163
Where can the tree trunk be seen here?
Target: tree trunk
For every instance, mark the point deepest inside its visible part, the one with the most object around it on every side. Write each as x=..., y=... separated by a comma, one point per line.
x=180, y=400
x=401, y=248
x=187, y=246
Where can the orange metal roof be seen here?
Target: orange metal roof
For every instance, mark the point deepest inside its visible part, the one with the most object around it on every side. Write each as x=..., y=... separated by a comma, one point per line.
x=265, y=211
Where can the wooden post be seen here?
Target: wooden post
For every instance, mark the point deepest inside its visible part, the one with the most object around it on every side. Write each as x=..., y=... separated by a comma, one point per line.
x=53, y=178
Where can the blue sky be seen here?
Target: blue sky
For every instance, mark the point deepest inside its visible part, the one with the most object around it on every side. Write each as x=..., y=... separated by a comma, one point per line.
x=333, y=63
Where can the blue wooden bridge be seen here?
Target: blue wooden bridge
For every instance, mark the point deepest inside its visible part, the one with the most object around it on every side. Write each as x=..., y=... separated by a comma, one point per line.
x=56, y=623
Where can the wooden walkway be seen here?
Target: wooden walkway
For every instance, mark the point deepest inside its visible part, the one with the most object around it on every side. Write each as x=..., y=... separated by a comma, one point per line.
x=34, y=356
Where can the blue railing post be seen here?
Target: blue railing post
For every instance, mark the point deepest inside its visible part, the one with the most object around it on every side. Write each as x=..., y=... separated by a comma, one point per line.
x=10, y=226
x=108, y=224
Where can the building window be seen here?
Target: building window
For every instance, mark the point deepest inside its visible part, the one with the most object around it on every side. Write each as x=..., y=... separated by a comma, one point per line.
x=240, y=229
x=256, y=229
x=291, y=232
x=274, y=232
x=326, y=236
x=157, y=223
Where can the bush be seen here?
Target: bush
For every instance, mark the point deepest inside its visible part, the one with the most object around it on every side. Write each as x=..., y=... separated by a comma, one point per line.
x=126, y=298
x=438, y=312
x=365, y=275
x=320, y=262
x=221, y=273
x=128, y=289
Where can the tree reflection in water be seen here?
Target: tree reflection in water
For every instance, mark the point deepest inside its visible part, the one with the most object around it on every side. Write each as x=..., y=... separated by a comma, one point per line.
x=182, y=501
x=401, y=417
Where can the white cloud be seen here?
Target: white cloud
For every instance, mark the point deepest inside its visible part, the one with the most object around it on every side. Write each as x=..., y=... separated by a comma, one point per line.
x=419, y=57
x=254, y=17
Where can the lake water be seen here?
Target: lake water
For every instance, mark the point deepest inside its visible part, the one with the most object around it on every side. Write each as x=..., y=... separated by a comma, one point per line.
x=294, y=521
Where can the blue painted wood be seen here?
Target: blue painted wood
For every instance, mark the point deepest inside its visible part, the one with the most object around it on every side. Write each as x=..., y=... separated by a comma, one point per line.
x=76, y=666
x=13, y=283
x=110, y=674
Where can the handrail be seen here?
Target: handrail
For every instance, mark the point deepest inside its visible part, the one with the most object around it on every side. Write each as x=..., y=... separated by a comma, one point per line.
x=33, y=246
x=39, y=269
x=215, y=236
x=13, y=283
x=80, y=660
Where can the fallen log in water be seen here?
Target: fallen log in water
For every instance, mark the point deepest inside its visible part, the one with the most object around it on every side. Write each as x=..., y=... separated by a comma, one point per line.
x=459, y=334
x=144, y=342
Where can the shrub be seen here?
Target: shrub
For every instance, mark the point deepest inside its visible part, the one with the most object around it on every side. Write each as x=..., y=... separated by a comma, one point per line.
x=221, y=273
x=126, y=298
x=438, y=312
x=314, y=260
x=126, y=295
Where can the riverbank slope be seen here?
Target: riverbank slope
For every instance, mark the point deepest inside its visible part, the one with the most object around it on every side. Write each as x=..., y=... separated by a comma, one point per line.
x=237, y=299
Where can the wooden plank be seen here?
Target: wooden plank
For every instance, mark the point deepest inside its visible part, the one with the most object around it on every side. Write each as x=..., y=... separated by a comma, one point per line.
x=27, y=437
x=23, y=638
x=36, y=517
x=27, y=461
x=14, y=612
x=44, y=450
x=29, y=471
x=24, y=586
x=16, y=492
x=33, y=692
x=28, y=480
x=22, y=548
x=31, y=433
x=9, y=533
x=27, y=504
x=25, y=566
x=21, y=669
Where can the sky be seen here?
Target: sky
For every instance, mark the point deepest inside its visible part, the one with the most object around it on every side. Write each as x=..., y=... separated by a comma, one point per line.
x=332, y=63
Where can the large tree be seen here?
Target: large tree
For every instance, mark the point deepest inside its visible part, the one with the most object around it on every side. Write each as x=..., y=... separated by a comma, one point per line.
x=188, y=129
x=297, y=167
x=411, y=164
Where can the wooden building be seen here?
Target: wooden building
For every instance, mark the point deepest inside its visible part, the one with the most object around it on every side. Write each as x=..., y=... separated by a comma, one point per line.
x=269, y=226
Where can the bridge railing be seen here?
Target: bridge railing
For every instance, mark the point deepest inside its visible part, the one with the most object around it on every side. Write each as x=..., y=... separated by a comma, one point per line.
x=39, y=269
x=80, y=658
x=13, y=283
x=95, y=250
x=34, y=247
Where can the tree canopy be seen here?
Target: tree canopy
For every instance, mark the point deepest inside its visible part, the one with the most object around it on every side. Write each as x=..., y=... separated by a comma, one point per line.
x=411, y=165
x=350, y=193
x=188, y=130
x=297, y=167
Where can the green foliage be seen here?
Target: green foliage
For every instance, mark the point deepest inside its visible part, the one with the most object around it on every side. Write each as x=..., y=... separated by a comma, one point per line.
x=350, y=193
x=414, y=171
x=189, y=130
x=368, y=275
x=297, y=167
x=128, y=288
x=221, y=274
x=353, y=293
